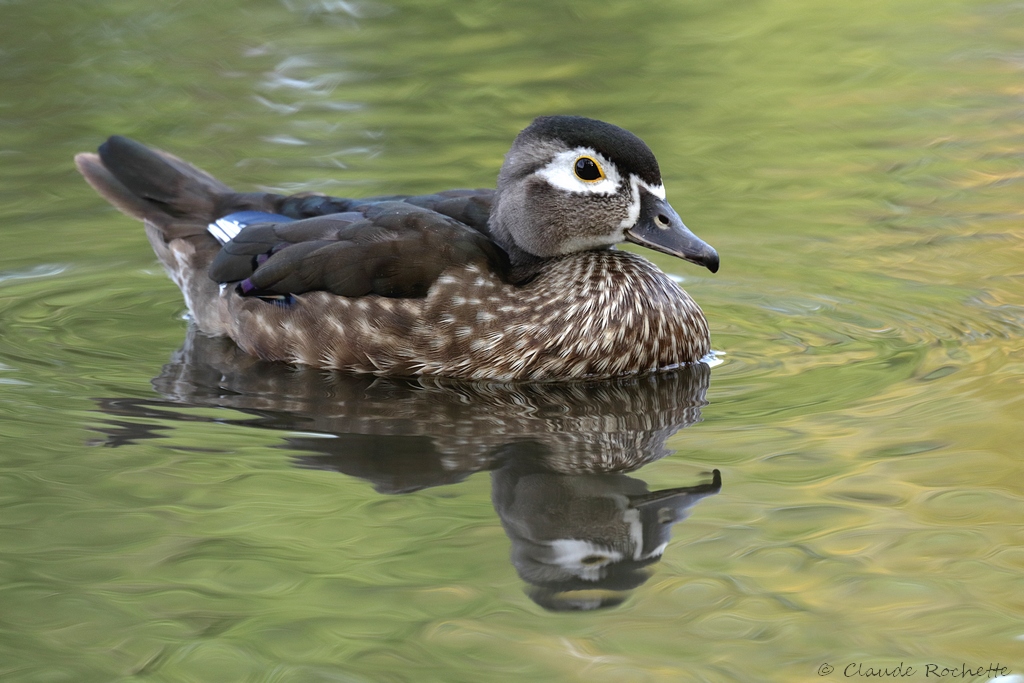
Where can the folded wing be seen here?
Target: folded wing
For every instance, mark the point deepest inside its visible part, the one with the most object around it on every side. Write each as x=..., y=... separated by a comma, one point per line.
x=390, y=248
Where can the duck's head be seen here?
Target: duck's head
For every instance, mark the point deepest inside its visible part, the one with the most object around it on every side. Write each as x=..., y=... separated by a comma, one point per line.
x=573, y=184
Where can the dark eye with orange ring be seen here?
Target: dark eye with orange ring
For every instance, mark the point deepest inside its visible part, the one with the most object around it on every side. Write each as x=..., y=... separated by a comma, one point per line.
x=587, y=169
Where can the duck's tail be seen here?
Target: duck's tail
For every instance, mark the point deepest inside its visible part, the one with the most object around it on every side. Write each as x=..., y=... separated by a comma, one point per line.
x=176, y=201
x=154, y=186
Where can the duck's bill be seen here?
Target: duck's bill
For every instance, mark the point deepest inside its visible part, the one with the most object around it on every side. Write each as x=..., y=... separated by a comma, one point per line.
x=660, y=228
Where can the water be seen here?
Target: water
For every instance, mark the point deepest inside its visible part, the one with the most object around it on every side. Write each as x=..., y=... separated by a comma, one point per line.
x=172, y=512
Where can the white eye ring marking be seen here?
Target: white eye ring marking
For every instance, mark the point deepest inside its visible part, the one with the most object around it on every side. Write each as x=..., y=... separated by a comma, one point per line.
x=573, y=556
x=561, y=173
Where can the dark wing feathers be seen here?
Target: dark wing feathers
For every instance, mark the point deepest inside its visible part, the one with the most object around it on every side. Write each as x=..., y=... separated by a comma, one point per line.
x=384, y=246
x=389, y=245
x=470, y=207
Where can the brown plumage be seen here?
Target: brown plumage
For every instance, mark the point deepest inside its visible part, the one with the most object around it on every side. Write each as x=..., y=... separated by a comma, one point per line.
x=517, y=283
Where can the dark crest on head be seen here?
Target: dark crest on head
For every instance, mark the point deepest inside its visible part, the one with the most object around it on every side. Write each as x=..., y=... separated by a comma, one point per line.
x=628, y=151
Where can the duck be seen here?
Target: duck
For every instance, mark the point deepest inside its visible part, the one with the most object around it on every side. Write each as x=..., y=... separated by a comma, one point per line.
x=517, y=283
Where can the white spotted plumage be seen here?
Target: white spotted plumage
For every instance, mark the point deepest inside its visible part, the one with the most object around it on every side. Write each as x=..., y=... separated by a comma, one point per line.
x=553, y=331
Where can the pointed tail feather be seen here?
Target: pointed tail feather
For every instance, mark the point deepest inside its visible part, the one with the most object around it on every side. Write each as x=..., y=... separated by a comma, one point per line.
x=176, y=201
x=154, y=186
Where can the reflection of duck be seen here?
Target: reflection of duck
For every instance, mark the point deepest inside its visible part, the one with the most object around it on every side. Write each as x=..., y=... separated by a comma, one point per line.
x=583, y=540
x=516, y=283
x=405, y=435
x=558, y=451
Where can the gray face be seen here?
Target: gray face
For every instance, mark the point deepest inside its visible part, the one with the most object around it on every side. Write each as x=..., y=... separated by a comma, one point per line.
x=556, y=199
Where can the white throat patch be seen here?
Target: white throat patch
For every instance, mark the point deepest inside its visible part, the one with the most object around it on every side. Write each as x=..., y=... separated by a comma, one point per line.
x=634, y=205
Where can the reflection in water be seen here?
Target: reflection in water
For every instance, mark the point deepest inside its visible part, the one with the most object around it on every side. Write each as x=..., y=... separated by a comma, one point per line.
x=581, y=530
x=583, y=540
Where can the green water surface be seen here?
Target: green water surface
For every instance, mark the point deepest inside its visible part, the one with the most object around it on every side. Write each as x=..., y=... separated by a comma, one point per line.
x=860, y=168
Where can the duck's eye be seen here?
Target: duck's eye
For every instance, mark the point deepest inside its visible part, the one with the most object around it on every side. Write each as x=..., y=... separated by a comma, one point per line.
x=587, y=169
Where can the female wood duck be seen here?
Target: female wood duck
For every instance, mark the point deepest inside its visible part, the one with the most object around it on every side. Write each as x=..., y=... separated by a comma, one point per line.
x=517, y=283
